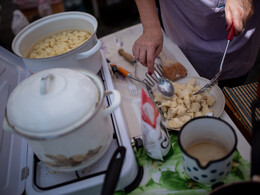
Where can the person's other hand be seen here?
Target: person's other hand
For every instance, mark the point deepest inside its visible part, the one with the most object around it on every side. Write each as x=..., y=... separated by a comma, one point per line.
x=147, y=47
x=238, y=12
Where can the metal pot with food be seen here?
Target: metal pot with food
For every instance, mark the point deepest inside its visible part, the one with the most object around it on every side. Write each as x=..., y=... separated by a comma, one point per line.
x=62, y=114
x=63, y=40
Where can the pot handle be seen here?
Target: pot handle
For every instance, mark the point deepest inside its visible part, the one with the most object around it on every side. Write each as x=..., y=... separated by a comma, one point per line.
x=115, y=104
x=113, y=171
x=86, y=54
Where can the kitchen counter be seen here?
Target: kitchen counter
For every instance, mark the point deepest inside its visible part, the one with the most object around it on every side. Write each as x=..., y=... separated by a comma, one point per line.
x=130, y=104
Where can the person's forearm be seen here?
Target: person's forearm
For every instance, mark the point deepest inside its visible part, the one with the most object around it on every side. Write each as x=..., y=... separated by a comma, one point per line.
x=150, y=43
x=148, y=14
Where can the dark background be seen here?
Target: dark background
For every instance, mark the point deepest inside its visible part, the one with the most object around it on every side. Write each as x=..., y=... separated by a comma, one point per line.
x=114, y=15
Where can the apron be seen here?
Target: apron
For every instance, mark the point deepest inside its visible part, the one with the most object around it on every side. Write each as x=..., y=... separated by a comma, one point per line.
x=198, y=28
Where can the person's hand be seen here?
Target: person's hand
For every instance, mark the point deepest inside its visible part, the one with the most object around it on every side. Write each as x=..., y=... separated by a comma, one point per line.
x=147, y=47
x=238, y=12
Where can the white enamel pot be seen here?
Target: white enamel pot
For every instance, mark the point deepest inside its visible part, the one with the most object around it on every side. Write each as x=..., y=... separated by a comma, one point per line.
x=62, y=115
x=86, y=56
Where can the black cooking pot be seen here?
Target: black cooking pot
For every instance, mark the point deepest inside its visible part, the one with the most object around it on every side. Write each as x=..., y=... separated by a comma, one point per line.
x=253, y=186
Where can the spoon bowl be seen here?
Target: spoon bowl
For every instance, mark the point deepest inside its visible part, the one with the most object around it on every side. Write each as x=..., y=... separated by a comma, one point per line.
x=164, y=86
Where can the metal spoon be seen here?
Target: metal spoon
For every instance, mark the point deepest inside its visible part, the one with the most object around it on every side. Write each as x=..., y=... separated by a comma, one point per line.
x=165, y=86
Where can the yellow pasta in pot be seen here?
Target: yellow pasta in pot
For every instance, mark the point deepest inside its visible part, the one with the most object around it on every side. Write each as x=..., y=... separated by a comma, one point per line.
x=58, y=43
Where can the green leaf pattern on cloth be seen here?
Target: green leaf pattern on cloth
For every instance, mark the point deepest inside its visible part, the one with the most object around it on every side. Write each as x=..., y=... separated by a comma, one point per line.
x=168, y=177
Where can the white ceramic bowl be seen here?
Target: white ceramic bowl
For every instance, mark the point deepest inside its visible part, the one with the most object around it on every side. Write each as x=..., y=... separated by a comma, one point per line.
x=214, y=91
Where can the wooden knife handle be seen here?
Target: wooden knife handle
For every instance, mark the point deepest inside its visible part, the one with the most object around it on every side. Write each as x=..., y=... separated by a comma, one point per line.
x=126, y=55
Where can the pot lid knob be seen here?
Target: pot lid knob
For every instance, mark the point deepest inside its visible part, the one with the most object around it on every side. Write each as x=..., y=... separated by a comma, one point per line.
x=45, y=83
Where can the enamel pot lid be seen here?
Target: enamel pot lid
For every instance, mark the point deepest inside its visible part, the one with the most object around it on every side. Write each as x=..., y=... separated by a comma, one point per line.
x=53, y=102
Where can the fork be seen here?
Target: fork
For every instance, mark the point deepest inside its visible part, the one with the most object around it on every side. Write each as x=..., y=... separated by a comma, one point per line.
x=132, y=88
x=215, y=79
x=211, y=82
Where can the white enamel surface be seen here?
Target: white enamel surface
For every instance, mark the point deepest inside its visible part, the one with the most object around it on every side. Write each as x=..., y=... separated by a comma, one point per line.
x=115, y=104
x=56, y=23
x=91, y=52
x=88, y=137
x=70, y=119
x=215, y=172
x=69, y=97
x=90, y=185
x=51, y=24
x=208, y=130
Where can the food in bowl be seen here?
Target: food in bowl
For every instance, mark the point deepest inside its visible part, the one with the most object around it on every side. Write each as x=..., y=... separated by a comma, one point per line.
x=183, y=105
x=58, y=43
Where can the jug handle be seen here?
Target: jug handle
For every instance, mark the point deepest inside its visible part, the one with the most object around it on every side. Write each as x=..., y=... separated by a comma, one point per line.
x=92, y=51
x=115, y=104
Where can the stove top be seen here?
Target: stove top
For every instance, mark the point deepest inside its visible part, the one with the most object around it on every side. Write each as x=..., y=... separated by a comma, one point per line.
x=36, y=178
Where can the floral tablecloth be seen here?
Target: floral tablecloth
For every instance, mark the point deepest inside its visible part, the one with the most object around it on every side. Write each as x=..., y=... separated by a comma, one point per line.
x=168, y=177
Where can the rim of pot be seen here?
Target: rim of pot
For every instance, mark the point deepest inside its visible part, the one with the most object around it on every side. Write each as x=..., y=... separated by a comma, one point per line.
x=45, y=19
x=211, y=161
x=71, y=128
